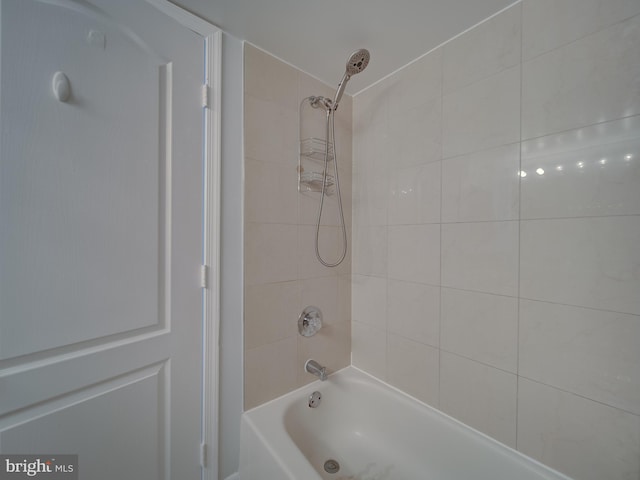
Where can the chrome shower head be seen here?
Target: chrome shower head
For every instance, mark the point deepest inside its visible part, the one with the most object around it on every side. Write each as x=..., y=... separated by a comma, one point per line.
x=357, y=62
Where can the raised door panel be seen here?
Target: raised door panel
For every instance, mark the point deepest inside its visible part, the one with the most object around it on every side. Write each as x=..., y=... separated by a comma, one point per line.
x=103, y=424
x=82, y=190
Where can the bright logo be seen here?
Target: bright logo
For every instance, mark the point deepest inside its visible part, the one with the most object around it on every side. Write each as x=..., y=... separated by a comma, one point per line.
x=49, y=467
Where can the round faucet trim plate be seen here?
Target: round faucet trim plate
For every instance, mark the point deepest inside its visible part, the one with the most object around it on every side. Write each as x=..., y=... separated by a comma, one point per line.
x=310, y=321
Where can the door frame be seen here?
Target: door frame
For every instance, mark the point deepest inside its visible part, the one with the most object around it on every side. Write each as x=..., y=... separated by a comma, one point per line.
x=212, y=84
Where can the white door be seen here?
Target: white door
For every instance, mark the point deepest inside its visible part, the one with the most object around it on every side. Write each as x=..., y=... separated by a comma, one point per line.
x=101, y=214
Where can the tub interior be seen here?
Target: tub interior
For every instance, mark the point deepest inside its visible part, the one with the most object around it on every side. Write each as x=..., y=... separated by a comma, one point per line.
x=341, y=429
x=378, y=434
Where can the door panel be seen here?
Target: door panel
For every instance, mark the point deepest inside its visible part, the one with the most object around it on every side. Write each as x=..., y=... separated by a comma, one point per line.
x=101, y=237
x=80, y=177
x=133, y=403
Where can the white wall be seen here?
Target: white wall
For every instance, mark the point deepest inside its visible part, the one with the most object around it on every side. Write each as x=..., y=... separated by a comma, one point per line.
x=231, y=257
x=510, y=302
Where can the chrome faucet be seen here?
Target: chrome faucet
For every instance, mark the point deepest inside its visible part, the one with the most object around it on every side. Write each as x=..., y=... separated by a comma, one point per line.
x=316, y=369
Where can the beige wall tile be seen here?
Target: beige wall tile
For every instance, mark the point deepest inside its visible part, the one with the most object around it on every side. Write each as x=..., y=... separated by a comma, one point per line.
x=414, y=311
x=369, y=348
x=271, y=312
x=577, y=436
x=592, y=80
x=480, y=326
x=480, y=396
x=549, y=24
x=270, y=371
x=482, y=115
x=414, y=368
x=487, y=49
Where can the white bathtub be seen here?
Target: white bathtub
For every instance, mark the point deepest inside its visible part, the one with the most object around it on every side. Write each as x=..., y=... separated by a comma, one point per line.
x=375, y=433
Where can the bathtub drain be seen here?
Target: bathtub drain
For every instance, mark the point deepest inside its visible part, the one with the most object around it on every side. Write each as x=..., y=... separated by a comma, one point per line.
x=331, y=466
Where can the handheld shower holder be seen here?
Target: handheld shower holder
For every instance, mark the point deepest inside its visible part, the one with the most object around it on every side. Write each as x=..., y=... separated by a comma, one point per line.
x=321, y=102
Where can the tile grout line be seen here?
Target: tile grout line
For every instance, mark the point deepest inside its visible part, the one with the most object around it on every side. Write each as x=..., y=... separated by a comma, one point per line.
x=440, y=227
x=580, y=395
x=517, y=339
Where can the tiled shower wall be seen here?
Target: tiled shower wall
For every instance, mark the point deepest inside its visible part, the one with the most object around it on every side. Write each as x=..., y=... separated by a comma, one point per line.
x=496, y=224
x=281, y=273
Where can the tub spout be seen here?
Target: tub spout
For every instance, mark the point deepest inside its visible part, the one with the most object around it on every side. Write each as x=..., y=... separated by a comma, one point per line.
x=316, y=369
